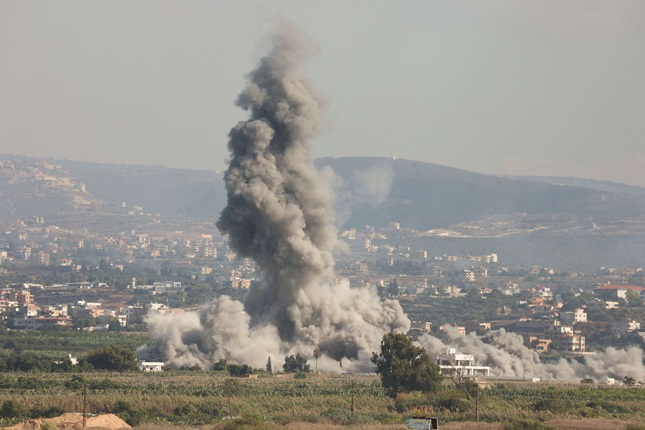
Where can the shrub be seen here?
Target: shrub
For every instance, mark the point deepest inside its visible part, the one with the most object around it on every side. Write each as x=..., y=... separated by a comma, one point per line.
x=183, y=410
x=12, y=409
x=300, y=375
x=112, y=357
x=30, y=383
x=450, y=401
x=240, y=369
x=128, y=414
x=43, y=412
x=337, y=415
x=76, y=382
x=103, y=384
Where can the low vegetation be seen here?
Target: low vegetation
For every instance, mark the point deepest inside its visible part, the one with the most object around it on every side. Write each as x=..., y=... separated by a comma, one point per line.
x=192, y=397
x=407, y=385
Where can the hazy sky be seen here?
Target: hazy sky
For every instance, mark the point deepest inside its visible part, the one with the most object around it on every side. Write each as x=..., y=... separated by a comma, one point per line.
x=545, y=87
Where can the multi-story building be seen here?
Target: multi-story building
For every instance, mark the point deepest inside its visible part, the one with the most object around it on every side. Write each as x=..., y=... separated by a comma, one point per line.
x=572, y=343
x=621, y=328
x=22, y=297
x=568, y=339
x=452, y=363
x=572, y=317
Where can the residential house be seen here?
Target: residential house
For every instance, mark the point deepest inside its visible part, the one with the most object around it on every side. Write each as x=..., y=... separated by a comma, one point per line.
x=451, y=363
x=621, y=328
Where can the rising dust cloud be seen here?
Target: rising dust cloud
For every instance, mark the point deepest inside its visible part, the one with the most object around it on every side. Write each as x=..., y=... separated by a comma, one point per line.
x=507, y=356
x=279, y=213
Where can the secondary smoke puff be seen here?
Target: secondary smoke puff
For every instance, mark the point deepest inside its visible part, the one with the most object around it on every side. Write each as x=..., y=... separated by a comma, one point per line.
x=365, y=190
x=279, y=213
x=506, y=355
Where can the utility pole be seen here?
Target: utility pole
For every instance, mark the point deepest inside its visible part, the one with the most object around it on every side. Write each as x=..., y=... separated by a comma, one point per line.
x=476, y=401
x=230, y=415
x=84, y=404
x=352, y=409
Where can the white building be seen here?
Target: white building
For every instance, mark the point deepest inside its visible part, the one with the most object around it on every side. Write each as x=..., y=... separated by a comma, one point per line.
x=451, y=362
x=151, y=366
x=572, y=317
x=167, y=287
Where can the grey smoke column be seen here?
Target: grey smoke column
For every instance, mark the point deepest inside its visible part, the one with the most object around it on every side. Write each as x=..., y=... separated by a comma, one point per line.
x=278, y=213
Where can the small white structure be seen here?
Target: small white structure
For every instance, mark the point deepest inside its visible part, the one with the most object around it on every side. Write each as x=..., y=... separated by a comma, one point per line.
x=451, y=363
x=151, y=366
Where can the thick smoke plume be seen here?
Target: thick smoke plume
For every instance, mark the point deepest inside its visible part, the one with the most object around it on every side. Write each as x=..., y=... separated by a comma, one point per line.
x=507, y=356
x=279, y=213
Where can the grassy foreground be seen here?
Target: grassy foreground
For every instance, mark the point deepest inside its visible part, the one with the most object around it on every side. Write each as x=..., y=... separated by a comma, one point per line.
x=194, y=398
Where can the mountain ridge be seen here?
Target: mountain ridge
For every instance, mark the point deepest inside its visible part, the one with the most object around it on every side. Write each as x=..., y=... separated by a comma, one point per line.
x=369, y=190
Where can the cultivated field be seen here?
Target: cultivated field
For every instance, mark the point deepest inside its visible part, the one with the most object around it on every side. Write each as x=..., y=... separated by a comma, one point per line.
x=195, y=398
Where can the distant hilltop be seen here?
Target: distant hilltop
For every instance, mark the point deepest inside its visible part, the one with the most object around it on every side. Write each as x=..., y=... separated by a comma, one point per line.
x=370, y=191
x=428, y=196
x=561, y=222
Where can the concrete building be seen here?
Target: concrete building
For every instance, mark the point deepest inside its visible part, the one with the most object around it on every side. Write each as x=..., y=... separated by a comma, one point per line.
x=451, y=363
x=621, y=329
x=617, y=291
x=151, y=366
x=572, y=317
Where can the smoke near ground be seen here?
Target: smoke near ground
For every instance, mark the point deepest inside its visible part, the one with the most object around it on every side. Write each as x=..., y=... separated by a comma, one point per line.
x=279, y=213
x=507, y=356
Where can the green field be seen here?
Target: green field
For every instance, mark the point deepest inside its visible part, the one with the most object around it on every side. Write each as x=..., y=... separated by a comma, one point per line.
x=58, y=343
x=195, y=397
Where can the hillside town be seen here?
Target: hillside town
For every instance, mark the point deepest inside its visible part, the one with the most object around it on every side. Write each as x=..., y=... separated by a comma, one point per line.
x=104, y=266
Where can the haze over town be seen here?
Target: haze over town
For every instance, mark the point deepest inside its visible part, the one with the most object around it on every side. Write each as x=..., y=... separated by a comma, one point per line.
x=391, y=272
x=504, y=87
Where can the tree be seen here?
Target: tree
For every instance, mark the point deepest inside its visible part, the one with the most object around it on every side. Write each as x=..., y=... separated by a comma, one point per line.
x=269, y=367
x=405, y=367
x=393, y=288
x=221, y=365
x=240, y=369
x=296, y=363
x=633, y=298
x=12, y=409
x=112, y=357
x=114, y=324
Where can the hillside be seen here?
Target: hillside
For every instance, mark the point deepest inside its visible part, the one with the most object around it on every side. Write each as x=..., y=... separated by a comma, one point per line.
x=526, y=221
x=370, y=191
x=174, y=192
x=425, y=195
x=594, y=184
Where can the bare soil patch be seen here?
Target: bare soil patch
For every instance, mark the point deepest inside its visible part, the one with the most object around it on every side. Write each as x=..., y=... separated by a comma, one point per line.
x=73, y=421
x=590, y=423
